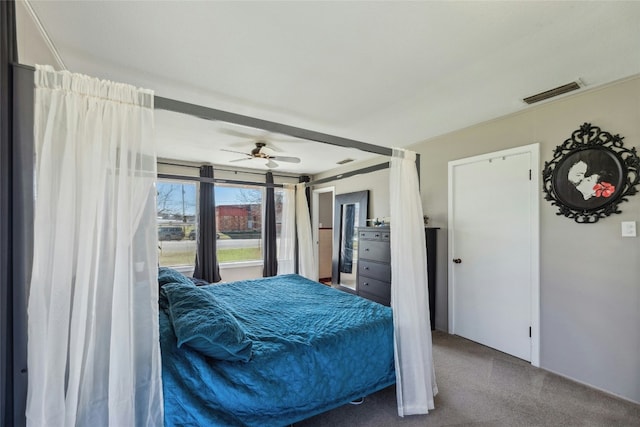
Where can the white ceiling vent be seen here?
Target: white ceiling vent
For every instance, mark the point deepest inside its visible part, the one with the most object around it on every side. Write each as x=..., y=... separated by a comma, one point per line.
x=569, y=87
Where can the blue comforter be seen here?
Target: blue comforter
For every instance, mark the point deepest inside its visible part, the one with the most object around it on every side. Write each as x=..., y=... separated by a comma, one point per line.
x=314, y=349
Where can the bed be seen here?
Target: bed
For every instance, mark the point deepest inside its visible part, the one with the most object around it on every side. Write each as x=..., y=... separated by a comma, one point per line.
x=295, y=348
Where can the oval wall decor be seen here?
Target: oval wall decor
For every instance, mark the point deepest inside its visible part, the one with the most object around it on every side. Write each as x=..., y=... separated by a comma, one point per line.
x=590, y=174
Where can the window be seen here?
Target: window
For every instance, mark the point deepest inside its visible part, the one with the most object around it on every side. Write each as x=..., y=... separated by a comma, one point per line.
x=239, y=223
x=239, y=213
x=176, y=212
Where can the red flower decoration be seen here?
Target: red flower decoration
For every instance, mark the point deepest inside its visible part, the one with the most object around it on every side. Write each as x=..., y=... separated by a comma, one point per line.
x=604, y=189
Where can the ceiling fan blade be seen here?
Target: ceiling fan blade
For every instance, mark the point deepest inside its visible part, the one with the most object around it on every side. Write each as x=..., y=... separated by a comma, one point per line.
x=271, y=164
x=239, y=160
x=237, y=152
x=271, y=147
x=286, y=159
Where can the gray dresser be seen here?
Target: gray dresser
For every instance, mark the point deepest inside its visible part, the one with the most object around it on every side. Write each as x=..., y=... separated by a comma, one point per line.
x=374, y=269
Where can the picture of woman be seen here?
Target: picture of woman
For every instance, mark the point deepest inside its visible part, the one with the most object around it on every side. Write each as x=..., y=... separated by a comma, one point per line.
x=588, y=179
x=590, y=174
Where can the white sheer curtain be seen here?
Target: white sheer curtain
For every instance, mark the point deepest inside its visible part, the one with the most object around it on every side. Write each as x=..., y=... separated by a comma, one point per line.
x=94, y=355
x=415, y=375
x=307, y=264
x=287, y=241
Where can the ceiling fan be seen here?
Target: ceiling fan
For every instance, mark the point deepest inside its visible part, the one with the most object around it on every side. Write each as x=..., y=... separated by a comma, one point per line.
x=261, y=151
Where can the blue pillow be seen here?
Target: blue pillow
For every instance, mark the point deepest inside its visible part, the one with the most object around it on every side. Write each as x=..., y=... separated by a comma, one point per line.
x=202, y=323
x=169, y=275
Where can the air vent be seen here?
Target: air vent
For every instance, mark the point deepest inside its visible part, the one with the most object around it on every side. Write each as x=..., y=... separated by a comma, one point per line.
x=342, y=162
x=551, y=93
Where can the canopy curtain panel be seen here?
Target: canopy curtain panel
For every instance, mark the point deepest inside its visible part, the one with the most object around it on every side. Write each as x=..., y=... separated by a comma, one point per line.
x=307, y=265
x=207, y=267
x=270, y=251
x=93, y=347
x=415, y=374
x=287, y=241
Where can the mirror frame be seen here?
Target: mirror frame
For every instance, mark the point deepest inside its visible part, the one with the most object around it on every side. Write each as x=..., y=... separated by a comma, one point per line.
x=361, y=198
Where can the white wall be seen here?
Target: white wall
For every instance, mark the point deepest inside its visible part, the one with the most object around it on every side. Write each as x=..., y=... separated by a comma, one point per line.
x=590, y=275
x=376, y=182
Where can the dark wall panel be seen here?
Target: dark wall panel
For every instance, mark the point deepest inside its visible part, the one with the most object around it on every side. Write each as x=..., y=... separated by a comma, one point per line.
x=22, y=225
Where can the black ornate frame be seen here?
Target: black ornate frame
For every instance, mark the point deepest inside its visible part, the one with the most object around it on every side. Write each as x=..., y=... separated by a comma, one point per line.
x=590, y=174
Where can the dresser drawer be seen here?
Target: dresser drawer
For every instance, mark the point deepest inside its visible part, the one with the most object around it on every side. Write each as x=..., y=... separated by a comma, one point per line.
x=374, y=235
x=374, y=270
x=374, y=286
x=374, y=250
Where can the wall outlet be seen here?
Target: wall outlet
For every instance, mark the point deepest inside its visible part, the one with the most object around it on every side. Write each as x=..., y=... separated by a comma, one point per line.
x=628, y=229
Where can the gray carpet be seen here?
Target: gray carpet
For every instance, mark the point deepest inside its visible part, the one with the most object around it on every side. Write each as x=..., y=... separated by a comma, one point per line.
x=479, y=386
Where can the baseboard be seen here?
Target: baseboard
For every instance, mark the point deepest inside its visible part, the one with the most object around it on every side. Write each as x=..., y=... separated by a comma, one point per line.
x=591, y=386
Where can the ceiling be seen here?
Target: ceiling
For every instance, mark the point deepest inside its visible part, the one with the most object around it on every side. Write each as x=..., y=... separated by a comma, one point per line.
x=386, y=73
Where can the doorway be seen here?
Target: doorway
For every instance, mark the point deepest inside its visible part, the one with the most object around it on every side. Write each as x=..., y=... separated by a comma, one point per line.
x=493, y=250
x=322, y=220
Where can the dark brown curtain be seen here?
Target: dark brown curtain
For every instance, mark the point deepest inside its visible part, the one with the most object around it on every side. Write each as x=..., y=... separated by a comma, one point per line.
x=207, y=267
x=269, y=234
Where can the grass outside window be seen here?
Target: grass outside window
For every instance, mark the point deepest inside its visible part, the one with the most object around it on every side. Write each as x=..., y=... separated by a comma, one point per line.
x=224, y=256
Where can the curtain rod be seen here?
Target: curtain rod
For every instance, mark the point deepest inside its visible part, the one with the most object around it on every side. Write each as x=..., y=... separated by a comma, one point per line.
x=217, y=180
x=215, y=168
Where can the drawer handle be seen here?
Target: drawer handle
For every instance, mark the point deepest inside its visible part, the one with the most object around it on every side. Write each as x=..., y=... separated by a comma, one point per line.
x=366, y=249
x=366, y=268
x=366, y=283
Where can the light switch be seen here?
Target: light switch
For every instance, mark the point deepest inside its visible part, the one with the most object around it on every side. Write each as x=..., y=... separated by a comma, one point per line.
x=628, y=229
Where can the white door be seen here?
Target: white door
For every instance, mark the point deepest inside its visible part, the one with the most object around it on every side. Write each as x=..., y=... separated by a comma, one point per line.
x=493, y=250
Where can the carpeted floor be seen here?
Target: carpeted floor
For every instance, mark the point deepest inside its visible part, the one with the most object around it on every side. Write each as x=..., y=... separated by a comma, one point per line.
x=479, y=386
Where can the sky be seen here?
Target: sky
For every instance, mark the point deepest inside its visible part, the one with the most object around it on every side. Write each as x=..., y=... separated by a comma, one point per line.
x=170, y=196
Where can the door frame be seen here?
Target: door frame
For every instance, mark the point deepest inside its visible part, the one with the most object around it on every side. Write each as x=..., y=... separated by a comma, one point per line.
x=315, y=216
x=534, y=152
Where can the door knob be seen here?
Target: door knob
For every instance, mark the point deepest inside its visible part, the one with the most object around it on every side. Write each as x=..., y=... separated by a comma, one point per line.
x=457, y=260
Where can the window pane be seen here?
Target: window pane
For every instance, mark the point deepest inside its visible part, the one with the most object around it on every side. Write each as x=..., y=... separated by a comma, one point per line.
x=239, y=223
x=177, y=207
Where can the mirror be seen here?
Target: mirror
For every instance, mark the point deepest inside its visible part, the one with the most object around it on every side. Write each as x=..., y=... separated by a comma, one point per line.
x=350, y=212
